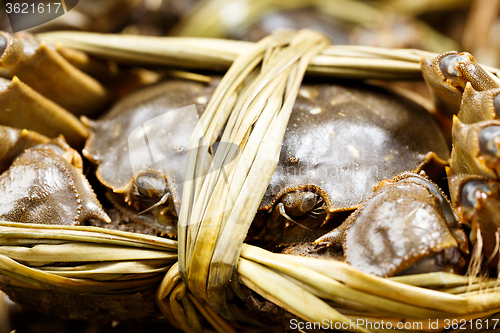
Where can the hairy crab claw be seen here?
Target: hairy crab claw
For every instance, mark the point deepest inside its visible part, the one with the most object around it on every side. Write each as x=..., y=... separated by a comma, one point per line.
x=476, y=148
x=46, y=71
x=478, y=105
x=45, y=184
x=406, y=227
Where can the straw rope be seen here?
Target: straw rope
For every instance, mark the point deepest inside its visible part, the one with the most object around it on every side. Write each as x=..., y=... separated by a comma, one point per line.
x=218, y=54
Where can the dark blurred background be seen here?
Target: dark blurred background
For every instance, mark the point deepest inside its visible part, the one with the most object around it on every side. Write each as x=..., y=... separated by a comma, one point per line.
x=433, y=25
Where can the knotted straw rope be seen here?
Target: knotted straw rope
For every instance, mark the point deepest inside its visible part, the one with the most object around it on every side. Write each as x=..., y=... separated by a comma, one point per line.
x=217, y=209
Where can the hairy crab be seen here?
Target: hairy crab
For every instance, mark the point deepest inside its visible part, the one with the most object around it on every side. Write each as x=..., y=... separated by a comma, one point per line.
x=371, y=243
x=341, y=141
x=45, y=184
x=473, y=171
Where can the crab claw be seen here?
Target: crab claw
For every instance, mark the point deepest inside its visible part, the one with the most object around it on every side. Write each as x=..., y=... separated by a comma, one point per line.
x=45, y=185
x=23, y=107
x=479, y=105
x=477, y=202
x=3, y=45
x=48, y=73
x=476, y=148
x=447, y=76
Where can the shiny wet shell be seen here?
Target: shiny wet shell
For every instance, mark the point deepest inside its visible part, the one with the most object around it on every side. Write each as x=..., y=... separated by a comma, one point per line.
x=346, y=139
x=108, y=144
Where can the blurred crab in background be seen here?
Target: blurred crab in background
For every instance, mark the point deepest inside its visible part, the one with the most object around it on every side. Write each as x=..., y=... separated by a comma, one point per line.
x=303, y=211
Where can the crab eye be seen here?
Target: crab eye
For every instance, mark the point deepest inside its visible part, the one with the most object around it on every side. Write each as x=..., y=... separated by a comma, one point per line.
x=447, y=65
x=470, y=190
x=496, y=104
x=488, y=140
x=57, y=149
x=148, y=183
x=308, y=201
x=3, y=45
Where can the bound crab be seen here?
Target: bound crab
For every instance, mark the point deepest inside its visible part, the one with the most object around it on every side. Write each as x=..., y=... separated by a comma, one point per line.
x=326, y=170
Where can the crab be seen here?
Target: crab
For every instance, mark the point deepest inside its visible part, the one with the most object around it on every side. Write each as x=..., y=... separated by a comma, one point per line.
x=374, y=245
x=327, y=168
x=367, y=241
x=129, y=16
x=111, y=144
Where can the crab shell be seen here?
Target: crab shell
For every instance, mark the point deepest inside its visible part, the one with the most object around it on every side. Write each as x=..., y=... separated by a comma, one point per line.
x=407, y=226
x=46, y=185
x=14, y=141
x=294, y=19
x=345, y=139
x=476, y=134
x=469, y=155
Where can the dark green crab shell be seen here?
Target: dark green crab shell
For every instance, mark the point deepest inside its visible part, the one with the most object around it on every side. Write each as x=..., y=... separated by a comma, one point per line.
x=108, y=144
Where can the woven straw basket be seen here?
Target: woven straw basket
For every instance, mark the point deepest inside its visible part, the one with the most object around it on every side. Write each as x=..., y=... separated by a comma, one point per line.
x=197, y=280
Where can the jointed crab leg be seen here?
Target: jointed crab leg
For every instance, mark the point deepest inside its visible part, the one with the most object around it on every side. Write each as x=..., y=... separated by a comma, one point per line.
x=162, y=201
x=211, y=53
